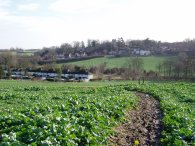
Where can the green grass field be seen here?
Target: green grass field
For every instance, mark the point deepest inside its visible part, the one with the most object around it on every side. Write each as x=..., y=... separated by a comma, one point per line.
x=150, y=62
x=27, y=53
x=23, y=53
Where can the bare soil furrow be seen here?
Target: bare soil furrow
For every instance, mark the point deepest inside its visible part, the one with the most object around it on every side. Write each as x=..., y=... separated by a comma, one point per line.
x=143, y=125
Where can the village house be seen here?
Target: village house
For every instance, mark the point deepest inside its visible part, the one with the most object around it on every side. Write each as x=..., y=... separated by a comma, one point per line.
x=60, y=56
x=112, y=53
x=78, y=75
x=16, y=74
x=53, y=74
x=141, y=52
x=70, y=55
x=43, y=74
x=123, y=52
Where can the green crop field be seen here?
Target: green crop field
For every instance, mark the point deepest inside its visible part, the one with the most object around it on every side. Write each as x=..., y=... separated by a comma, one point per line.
x=150, y=62
x=42, y=113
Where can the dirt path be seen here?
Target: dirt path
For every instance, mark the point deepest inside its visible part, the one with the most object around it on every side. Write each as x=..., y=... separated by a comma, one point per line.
x=143, y=126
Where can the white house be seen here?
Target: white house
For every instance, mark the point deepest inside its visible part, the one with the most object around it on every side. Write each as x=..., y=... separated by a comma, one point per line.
x=112, y=53
x=60, y=57
x=43, y=74
x=78, y=75
x=142, y=52
x=87, y=76
x=70, y=55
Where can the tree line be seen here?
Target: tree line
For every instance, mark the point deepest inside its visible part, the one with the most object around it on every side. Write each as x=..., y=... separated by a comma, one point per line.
x=182, y=67
x=116, y=45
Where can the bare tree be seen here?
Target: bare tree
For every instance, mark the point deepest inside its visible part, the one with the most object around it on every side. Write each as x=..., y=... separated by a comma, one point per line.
x=137, y=64
x=59, y=72
x=159, y=68
x=99, y=69
x=1, y=72
x=178, y=67
x=168, y=67
x=134, y=68
x=8, y=59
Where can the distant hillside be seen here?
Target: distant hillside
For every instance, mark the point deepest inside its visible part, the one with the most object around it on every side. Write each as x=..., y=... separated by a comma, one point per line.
x=21, y=52
x=150, y=62
x=116, y=47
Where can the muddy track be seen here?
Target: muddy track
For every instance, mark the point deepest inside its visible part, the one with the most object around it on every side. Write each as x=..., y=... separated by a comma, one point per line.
x=143, y=125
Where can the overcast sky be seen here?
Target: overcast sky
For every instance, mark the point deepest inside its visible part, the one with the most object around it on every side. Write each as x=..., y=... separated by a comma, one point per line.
x=38, y=23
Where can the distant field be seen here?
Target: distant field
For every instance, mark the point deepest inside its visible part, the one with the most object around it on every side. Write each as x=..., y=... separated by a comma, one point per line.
x=22, y=53
x=150, y=62
x=27, y=52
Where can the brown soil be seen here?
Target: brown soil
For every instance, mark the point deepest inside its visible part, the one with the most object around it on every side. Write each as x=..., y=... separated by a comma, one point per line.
x=143, y=125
